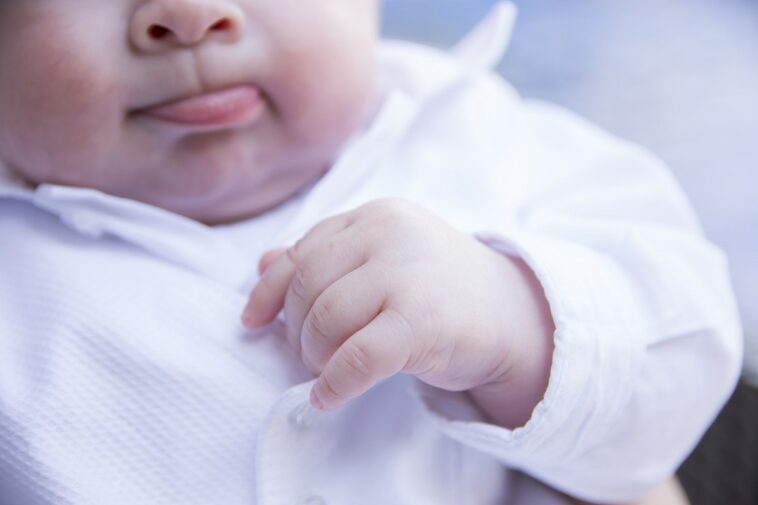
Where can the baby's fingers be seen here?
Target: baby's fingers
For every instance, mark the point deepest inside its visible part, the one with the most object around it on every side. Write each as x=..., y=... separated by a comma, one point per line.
x=267, y=298
x=278, y=269
x=378, y=351
x=269, y=258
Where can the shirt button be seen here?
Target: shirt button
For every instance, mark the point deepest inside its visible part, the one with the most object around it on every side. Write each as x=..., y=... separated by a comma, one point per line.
x=301, y=418
x=313, y=500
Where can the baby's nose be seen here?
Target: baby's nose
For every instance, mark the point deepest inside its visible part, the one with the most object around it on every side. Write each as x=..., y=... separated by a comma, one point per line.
x=159, y=25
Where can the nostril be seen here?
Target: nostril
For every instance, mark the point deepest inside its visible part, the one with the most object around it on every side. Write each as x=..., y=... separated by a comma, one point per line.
x=223, y=24
x=186, y=30
x=157, y=31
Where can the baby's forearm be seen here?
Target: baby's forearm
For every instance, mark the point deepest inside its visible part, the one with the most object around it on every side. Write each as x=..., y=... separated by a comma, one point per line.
x=510, y=400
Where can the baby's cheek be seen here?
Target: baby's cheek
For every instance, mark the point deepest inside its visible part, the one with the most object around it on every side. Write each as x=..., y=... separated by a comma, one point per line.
x=324, y=76
x=67, y=107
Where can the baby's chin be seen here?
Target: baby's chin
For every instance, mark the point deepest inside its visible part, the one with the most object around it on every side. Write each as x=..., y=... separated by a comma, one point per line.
x=224, y=200
x=225, y=210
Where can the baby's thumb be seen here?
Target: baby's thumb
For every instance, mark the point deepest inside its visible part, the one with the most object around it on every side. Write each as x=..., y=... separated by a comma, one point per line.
x=269, y=258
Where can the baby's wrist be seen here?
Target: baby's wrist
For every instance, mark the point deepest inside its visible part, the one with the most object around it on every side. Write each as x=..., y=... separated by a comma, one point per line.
x=510, y=403
x=510, y=398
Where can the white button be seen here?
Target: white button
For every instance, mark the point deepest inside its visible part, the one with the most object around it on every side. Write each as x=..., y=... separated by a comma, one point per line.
x=302, y=416
x=313, y=500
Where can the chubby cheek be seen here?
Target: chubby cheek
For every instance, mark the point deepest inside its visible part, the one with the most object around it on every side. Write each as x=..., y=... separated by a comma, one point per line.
x=327, y=84
x=61, y=113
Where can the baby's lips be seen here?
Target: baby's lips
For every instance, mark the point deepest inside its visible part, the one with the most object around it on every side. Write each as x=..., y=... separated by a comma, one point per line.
x=232, y=106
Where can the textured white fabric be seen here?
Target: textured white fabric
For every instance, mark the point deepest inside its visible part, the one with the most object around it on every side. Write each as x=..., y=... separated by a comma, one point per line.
x=126, y=378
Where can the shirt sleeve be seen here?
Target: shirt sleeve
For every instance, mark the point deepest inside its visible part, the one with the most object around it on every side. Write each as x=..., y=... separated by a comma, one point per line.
x=648, y=342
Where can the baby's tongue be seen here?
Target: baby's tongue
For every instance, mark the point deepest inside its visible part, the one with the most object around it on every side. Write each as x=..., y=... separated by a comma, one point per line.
x=238, y=104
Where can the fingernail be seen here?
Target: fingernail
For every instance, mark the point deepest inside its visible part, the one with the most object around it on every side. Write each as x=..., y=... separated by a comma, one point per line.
x=315, y=401
x=248, y=316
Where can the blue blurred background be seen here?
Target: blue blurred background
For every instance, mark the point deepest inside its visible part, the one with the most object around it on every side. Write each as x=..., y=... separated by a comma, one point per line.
x=678, y=76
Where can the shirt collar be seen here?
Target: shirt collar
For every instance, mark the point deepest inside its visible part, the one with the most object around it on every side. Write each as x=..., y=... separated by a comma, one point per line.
x=425, y=74
x=175, y=237
x=485, y=46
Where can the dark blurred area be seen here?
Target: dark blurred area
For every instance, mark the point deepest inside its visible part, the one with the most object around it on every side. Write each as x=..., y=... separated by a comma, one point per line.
x=681, y=78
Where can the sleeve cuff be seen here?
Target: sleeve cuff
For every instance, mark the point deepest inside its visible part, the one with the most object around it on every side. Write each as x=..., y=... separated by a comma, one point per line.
x=597, y=354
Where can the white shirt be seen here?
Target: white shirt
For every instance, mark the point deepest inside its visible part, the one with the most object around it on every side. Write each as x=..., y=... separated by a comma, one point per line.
x=126, y=378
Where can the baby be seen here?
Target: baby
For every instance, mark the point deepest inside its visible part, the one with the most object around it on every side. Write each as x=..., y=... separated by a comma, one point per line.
x=483, y=288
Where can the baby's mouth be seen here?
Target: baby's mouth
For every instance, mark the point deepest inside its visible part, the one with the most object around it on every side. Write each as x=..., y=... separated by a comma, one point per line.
x=230, y=107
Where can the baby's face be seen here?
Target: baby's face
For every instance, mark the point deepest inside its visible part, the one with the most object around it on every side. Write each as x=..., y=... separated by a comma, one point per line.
x=215, y=109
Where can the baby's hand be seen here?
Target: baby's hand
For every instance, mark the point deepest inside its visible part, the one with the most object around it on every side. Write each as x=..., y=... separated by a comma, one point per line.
x=391, y=288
